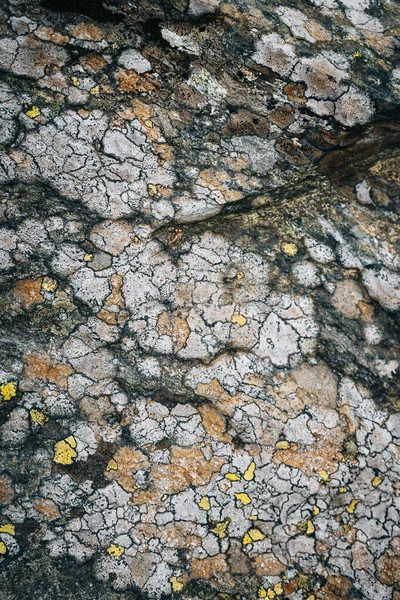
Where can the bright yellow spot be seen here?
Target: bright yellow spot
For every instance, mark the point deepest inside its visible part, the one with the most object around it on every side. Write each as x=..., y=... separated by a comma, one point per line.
x=243, y=498
x=64, y=452
x=262, y=592
x=75, y=81
x=88, y=257
x=312, y=597
x=376, y=481
x=152, y=189
x=239, y=319
x=240, y=275
x=33, y=112
x=342, y=490
x=220, y=528
x=315, y=511
x=357, y=54
x=289, y=248
x=346, y=529
x=114, y=550
x=95, y=91
x=324, y=475
x=204, y=503
x=177, y=586
x=282, y=445
x=37, y=416
x=148, y=123
x=112, y=465
x=8, y=390
x=232, y=477
x=253, y=518
x=278, y=589
x=310, y=528
x=352, y=506
x=253, y=535
x=307, y=527
x=49, y=284
x=3, y=548
x=270, y=593
x=10, y=529
x=249, y=474
x=164, y=497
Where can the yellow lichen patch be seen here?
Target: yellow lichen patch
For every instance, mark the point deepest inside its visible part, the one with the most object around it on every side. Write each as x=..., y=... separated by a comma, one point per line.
x=239, y=275
x=152, y=189
x=312, y=597
x=307, y=527
x=8, y=528
x=88, y=257
x=8, y=391
x=3, y=548
x=112, y=465
x=64, y=452
x=243, y=498
x=37, y=416
x=253, y=518
x=75, y=81
x=238, y=319
x=249, y=473
x=95, y=91
x=270, y=593
x=262, y=592
x=220, y=529
x=278, y=589
x=148, y=123
x=342, y=490
x=324, y=475
x=289, y=248
x=352, y=506
x=232, y=477
x=315, y=511
x=49, y=284
x=253, y=535
x=282, y=445
x=115, y=550
x=176, y=585
x=376, y=481
x=33, y=112
x=204, y=503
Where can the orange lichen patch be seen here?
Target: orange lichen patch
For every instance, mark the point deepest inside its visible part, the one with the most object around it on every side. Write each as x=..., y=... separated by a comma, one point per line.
x=187, y=466
x=86, y=31
x=318, y=32
x=6, y=490
x=324, y=456
x=295, y=92
x=216, y=393
x=268, y=564
x=44, y=368
x=127, y=462
x=27, y=292
x=49, y=35
x=92, y=63
x=174, y=326
x=47, y=508
x=388, y=565
x=130, y=81
x=207, y=568
x=214, y=423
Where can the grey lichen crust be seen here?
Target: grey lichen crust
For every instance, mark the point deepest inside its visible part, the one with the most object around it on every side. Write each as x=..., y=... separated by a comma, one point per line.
x=200, y=292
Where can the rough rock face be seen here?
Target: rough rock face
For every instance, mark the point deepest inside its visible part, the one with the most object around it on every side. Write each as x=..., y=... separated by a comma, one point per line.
x=200, y=292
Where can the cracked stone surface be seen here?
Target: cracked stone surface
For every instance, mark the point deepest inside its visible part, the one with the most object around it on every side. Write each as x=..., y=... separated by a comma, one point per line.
x=200, y=299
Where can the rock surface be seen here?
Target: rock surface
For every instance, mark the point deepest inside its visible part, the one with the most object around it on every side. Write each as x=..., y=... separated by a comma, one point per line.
x=200, y=293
